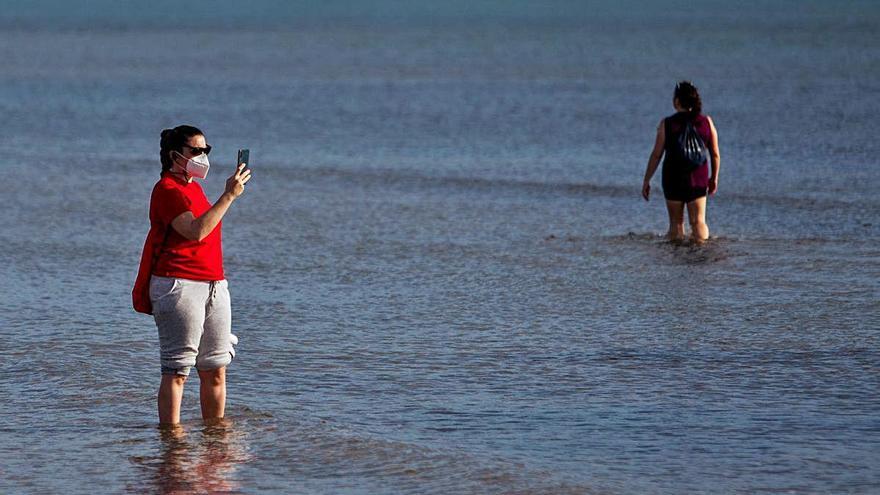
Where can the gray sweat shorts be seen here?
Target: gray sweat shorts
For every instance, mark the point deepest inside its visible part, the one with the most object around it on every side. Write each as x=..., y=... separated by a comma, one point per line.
x=194, y=319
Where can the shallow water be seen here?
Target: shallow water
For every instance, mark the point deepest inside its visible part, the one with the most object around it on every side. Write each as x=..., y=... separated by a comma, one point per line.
x=443, y=277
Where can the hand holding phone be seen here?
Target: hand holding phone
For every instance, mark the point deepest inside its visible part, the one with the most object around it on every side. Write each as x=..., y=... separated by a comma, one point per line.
x=244, y=156
x=235, y=183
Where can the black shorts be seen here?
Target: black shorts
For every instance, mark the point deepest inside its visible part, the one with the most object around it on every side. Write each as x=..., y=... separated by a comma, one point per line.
x=684, y=194
x=679, y=184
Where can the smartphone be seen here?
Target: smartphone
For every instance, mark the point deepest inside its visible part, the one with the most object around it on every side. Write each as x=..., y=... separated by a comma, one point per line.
x=244, y=156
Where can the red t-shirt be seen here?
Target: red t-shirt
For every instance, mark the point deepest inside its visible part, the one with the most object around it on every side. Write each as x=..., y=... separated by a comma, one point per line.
x=179, y=256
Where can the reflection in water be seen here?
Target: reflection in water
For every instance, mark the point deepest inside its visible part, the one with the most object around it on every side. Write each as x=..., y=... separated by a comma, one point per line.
x=202, y=461
x=675, y=252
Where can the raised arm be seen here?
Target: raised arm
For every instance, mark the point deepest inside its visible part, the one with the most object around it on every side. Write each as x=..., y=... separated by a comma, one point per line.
x=715, y=156
x=196, y=229
x=654, y=159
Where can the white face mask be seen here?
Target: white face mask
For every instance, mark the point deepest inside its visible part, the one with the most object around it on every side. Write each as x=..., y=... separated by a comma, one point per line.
x=197, y=166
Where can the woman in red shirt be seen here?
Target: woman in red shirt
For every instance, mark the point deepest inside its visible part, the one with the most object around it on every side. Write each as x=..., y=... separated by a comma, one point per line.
x=181, y=280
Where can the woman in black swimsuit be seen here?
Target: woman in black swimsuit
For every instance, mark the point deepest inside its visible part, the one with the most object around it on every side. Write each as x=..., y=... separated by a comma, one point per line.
x=684, y=185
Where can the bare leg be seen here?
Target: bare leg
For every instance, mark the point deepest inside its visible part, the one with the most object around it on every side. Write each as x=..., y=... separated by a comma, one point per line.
x=676, y=220
x=212, y=393
x=697, y=217
x=170, y=396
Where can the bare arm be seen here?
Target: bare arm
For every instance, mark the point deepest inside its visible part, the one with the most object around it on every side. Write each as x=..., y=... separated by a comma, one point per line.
x=654, y=159
x=196, y=229
x=715, y=156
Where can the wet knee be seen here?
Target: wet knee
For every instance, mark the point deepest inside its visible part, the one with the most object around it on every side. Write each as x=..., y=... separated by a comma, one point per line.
x=214, y=377
x=175, y=379
x=179, y=379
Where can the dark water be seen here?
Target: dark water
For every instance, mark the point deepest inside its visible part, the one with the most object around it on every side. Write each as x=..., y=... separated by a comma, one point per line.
x=443, y=278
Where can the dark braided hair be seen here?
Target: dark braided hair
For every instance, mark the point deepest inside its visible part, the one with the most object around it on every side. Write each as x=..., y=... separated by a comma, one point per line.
x=689, y=97
x=174, y=140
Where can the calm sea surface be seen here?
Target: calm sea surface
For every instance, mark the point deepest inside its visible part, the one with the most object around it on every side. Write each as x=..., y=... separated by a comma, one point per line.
x=443, y=277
